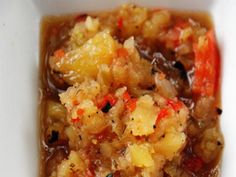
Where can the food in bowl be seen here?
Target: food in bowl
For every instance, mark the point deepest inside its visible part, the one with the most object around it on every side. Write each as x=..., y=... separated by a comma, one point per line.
x=132, y=92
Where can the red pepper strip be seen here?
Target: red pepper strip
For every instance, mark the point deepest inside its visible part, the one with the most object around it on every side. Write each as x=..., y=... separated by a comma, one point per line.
x=75, y=102
x=206, y=75
x=162, y=114
x=194, y=164
x=80, y=112
x=75, y=120
x=131, y=104
x=111, y=98
x=140, y=138
x=126, y=97
x=122, y=52
x=59, y=53
x=175, y=105
x=120, y=23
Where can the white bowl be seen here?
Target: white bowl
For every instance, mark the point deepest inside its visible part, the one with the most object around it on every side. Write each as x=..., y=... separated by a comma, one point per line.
x=19, y=58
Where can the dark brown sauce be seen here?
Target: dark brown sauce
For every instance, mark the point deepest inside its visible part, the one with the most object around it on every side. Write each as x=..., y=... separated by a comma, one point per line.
x=54, y=33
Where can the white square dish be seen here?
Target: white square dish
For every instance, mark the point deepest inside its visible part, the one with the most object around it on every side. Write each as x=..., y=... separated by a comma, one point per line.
x=19, y=61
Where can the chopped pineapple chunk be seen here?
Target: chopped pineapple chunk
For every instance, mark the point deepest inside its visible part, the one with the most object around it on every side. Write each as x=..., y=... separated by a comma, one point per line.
x=73, y=164
x=158, y=21
x=141, y=155
x=92, y=24
x=89, y=107
x=92, y=120
x=86, y=60
x=77, y=93
x=143, y=117
x=56, y=110
x=171, y=144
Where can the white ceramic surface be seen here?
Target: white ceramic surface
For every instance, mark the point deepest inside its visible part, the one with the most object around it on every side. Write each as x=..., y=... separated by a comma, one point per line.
x=19, y=39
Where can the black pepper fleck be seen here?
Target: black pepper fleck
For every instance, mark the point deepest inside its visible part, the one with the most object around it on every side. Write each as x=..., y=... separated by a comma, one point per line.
x=154, y=126
x=106, y=108
x=219, y=143
x=219, y=111
x=72, y=165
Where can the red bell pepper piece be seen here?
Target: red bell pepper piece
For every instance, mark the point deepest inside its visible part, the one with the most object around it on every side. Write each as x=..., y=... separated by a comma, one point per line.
x=162, y=114
x=111, y=98
x=59, y=53
x=175, y=105
x=206, y=75
x=75, y=120
x=80, y=112
x=120, y=23
x=126, y=97
x=122, y=52
x=130, y=103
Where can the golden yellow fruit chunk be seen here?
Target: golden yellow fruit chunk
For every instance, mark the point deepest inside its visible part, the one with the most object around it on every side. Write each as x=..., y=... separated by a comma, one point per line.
x=84, y=62
x=74, y=163
x=141, y=155
x=143, y=117
x=171, y=144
